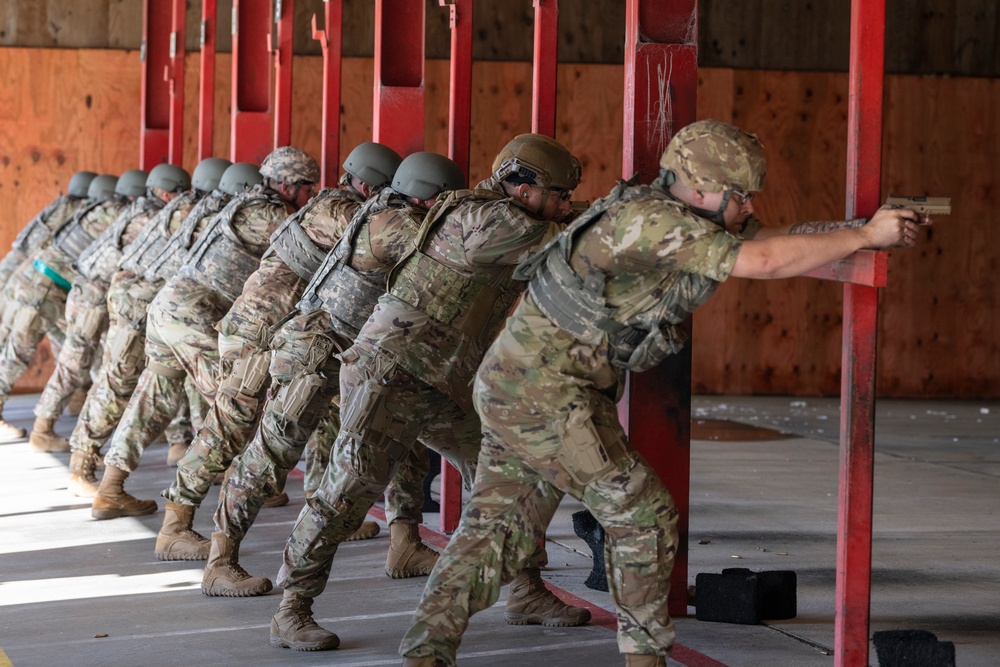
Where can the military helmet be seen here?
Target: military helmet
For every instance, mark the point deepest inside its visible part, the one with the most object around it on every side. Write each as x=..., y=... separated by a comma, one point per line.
x=539, y=160
x=132, y=183
x=239, y=177
x=290, y=165
x=713, y=156
x=208, y=172
x=169, y=178
x=373, y=163
x=102, y=187
x=425, y=175
x=79, y=183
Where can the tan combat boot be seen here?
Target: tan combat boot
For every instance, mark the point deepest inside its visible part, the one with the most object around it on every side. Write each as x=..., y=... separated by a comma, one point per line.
x=531, y=603
x=293, y=626
x=224, y=576
x=9, y=432
x=644, y=660
x=82, y=481
x=423, y=661
x=175, y=452
x=366, y=531
x=408, y=556
x=44, y=438
x=277, y=500
x=111, y=500
x=76, y=401
x=176, y=539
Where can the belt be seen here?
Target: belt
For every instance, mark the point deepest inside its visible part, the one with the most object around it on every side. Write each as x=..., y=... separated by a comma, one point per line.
x=46, y=271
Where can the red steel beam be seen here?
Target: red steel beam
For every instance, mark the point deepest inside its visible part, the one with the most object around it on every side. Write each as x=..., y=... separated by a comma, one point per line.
x=857, y=403
x=284, y=13
x=155, y=98
x=459, y=129
x=206, y=87
x=546, y=59
x=399, y=74
x=330, y=39
x=661, y=79
x=174, y=75
x=251, y=139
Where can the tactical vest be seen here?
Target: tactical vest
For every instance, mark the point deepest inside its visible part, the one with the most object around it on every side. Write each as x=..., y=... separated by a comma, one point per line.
x=137, y=255
x=100, y=260
x=166, y=262
x=578, y=305
x=218, y=260
x=464, y=303
x=71, y=237
x=292, y=244
x=343, y=292
x=36, y=232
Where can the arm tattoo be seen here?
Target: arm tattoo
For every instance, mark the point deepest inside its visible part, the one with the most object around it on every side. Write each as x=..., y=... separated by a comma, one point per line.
x=825, y=226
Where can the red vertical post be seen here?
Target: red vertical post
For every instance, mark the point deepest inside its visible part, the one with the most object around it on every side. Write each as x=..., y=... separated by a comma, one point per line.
x=174, y=76
x=206, y=84
x=284, y=13
x=661, y=79
x=399, y=74
x=154, y=101
x=857, y=408
x=251, y=139
x=544, y=66
x=330, y=39
x=459, y=125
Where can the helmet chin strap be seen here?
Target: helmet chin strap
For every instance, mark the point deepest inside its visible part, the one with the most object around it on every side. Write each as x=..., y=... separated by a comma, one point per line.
x=668, y=178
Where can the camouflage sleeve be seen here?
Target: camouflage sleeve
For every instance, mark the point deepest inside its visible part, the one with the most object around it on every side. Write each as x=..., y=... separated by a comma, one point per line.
x=255, y=223
x=504, y=234
x=391, y=235
x=326, y=222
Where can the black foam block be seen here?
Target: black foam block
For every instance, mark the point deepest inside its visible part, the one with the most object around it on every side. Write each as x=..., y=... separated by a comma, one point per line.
x=778, y=592
x=728, y=598
x=590, y=531
x=912, y=648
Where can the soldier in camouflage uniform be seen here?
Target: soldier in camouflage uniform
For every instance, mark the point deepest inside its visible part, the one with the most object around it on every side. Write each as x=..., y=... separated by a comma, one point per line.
x=146, y=264
x=606, y=296
x=39, y=230
x=297, y=249
x=86, y=304
x=408, y=373
x=181, y=339
x=37, y=300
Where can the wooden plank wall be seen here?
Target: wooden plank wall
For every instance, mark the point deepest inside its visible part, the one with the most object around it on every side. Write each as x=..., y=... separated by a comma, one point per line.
x=939, y=328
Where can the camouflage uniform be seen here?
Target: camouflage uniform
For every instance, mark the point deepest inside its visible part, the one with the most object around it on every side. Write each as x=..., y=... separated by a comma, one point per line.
x=181, y=338
x=129, y=296
x=305, y=348
x=38, y=301
x=86, y=307
x=606, y=296
x=408, y=374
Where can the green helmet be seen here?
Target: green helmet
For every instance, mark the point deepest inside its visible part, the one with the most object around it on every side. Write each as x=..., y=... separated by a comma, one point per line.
x=208, y=173
x=539, y=160
x=132, y=183
x=290, y=165
x=79, y=183
x=425, y=175
x=102, y=187
x=713, y=156
x=239, y=177
x=373, y=163
x=169, y=178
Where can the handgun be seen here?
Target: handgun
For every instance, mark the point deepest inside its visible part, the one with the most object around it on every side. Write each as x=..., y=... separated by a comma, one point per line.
x=924, y=205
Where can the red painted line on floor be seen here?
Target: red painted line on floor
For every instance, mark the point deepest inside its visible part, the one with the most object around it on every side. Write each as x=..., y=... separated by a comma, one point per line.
x=599, y=616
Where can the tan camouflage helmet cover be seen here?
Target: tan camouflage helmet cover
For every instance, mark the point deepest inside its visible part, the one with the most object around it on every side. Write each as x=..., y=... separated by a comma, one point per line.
x=537, y=160
x=290, y=165
x=713, y=156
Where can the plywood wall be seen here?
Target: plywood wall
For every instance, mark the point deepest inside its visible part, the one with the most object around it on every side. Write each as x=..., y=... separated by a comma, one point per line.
x=939, y=328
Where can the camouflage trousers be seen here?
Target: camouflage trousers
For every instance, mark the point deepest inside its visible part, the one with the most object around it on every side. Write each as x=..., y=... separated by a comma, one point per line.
x=123, y=361
x=530, y=458
x=384, y=410
x=181, y=343
x=8, y=266
x=244, y=337
x=86, y=322
x=304, y=347
x=37, y=308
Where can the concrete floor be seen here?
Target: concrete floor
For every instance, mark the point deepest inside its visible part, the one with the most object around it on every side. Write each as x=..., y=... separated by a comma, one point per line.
x=74, y=591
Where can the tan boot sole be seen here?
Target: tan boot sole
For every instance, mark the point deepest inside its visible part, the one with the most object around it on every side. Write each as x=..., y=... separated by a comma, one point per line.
x=325, y=645
x=117, y=513
x=254, y=591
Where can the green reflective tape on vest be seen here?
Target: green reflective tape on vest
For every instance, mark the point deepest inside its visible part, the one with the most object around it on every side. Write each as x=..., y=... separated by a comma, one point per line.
x=60, y=282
